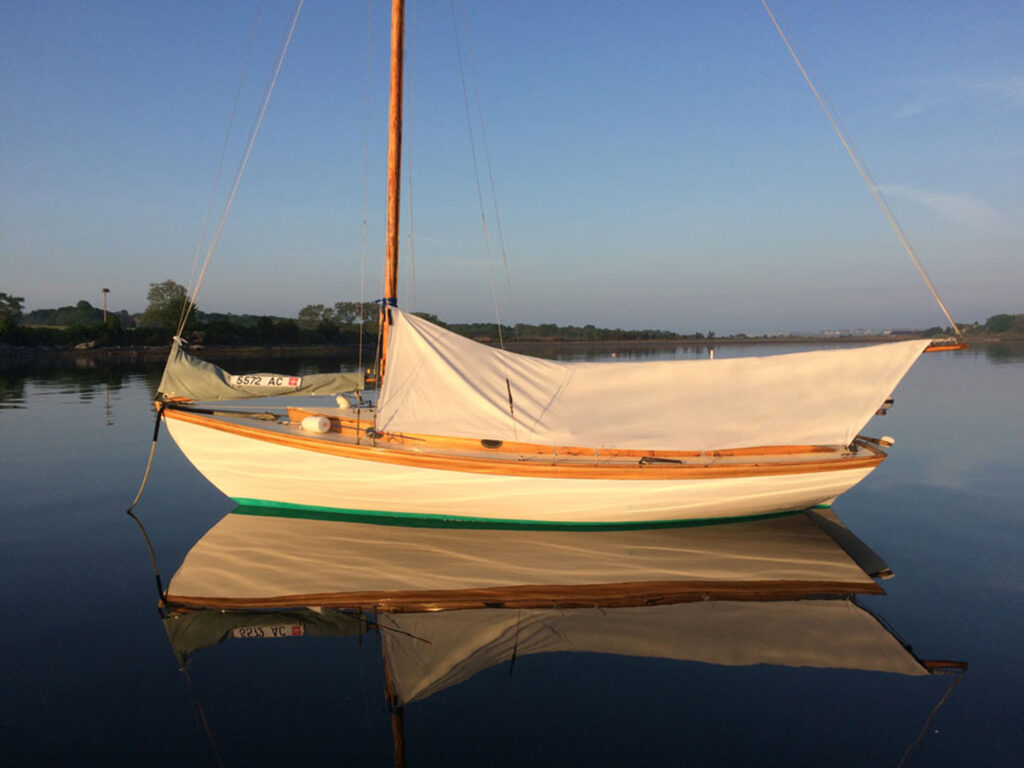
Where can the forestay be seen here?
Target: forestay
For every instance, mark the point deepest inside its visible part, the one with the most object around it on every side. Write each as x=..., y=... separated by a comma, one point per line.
x=439, y=383
x=190, y=378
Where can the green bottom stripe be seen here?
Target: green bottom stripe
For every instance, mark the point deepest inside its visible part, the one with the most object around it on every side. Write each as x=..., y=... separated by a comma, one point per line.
x=261, y=508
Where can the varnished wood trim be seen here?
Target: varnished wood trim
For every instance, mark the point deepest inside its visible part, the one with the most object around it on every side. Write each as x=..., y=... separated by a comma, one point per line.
x=937, y=665
x=511, y=467
x=947, y=347
x=622, y=595
x=346, y=425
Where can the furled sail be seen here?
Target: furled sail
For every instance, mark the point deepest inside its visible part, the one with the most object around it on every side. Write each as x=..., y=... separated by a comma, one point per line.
x=439, y=383
x=188, y=377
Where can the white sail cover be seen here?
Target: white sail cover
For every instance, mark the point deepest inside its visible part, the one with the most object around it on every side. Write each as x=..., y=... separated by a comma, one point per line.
x=440, y=383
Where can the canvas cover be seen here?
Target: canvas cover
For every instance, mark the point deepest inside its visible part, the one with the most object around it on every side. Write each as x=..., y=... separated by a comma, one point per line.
x=440, y=383
x=189, y=377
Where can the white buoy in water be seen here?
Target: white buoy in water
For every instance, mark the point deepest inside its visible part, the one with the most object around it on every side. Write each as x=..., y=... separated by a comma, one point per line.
x=317, y=424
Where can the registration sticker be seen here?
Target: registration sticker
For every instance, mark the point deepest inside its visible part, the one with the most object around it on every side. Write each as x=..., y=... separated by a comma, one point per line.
x=269, y=630
x=274, y=380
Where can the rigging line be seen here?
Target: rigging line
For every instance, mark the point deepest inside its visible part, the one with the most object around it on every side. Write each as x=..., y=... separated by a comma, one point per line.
x=928, y=722
x=142, y=487
x=410, y=71
x=202, y=717
x=476, y=169
x=254, y=131
x=862, y=168
x=483, y=214
x=377, y=378
x=220, y=162
x=366, y=176
x=379, y=343
x=490, y=171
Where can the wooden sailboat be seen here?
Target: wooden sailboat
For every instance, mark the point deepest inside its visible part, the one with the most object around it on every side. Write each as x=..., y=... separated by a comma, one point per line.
x=465, y=433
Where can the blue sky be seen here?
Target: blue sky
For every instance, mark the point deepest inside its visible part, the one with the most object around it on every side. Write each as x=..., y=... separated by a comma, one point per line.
x=656, y=164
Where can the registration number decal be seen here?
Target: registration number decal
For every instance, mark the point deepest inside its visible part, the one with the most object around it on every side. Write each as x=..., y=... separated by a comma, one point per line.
x=269, y=630
x=274, y=380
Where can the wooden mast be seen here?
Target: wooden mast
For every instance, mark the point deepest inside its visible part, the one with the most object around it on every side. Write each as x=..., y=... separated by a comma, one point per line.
x=394, y=172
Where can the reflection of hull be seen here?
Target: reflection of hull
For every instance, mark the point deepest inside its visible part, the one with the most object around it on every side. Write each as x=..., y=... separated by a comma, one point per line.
x=251, y=561
x=276, y=464
x=452, y=602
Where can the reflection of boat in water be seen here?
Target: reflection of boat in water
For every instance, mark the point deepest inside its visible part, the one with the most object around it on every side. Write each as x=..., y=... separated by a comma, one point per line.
x=450, y=603
x=778, y=591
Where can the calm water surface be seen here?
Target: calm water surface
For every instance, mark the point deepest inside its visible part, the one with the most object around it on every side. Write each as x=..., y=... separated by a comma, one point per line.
x=91, y=679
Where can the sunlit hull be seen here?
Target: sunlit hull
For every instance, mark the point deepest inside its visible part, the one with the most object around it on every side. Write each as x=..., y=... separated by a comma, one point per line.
x=314, y=476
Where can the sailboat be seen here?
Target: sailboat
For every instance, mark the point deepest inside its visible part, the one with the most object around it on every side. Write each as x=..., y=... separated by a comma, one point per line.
x=463, y=433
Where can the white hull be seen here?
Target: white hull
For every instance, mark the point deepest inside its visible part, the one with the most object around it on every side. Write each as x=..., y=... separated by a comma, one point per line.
x=252, y=470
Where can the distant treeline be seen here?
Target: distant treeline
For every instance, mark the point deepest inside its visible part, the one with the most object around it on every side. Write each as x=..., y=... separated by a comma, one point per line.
x=997, y=325
x=488, y=332
x=315, y=325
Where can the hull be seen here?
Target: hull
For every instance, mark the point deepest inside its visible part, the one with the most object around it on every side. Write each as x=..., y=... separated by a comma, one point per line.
x=317, y=479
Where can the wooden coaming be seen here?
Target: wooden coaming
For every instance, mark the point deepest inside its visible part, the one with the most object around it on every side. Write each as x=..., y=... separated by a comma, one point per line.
x=351, y=426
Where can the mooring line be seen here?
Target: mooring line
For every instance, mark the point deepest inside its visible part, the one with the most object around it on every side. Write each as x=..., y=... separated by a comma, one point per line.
x=131, y=513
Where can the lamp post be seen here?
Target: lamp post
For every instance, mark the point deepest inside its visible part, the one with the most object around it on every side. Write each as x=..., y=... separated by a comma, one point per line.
x=105, y=292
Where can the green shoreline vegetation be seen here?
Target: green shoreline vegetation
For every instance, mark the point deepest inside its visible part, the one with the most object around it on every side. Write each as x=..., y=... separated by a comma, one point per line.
x=83, y=327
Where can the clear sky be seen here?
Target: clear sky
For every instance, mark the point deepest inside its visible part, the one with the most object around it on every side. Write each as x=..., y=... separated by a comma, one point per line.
x=656, y=164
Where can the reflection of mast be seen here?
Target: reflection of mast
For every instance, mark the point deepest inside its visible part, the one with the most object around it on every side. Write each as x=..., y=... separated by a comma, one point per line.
x=397, y=714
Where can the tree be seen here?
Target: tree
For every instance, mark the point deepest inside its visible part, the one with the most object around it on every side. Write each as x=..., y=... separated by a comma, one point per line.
x=10, y=311
x=83, y=313
x=346, y=314
x=1003, y=323
x=166, y=301
x=312, y=315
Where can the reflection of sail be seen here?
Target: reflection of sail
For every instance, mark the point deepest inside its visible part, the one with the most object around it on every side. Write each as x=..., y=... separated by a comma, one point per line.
x=767, y=592
x=450, y=603
x=192, y=631
x=824, y=633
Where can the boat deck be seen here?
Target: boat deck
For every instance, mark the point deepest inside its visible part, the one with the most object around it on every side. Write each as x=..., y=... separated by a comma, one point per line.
x=352, y=428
